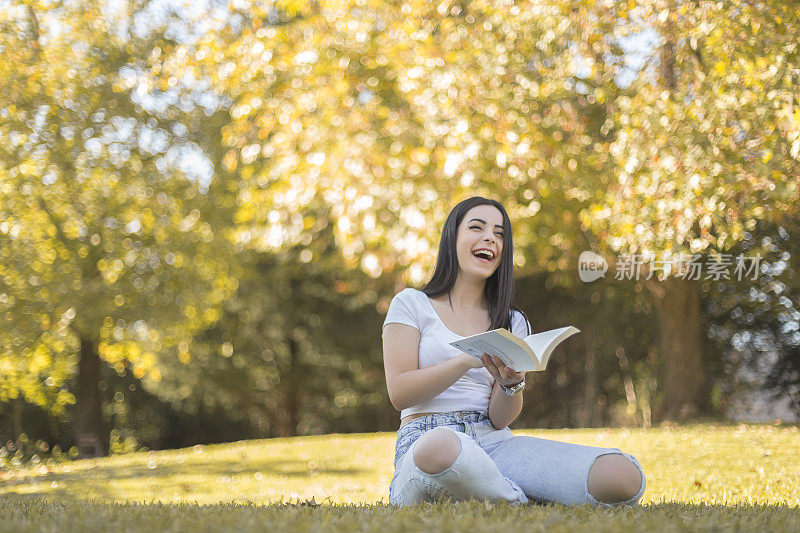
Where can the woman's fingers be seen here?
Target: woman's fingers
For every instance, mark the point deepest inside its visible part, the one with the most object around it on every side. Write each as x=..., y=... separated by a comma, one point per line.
x=506, y=373
x=501, y=367
x=490, y=366
x=500, y=371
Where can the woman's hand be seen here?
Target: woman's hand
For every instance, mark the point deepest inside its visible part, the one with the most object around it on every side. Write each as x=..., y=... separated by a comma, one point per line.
x=500, y=371
x=471, y=362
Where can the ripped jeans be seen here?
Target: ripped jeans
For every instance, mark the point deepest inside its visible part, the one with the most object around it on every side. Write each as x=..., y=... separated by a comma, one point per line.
x=494, y=464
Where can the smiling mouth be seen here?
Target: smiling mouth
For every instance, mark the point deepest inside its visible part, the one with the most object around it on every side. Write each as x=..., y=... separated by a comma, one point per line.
x=483, y=259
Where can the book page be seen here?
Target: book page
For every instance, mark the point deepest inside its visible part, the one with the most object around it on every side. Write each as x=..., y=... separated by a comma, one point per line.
x=543, y=343
x=496, y=344
x=514, y=351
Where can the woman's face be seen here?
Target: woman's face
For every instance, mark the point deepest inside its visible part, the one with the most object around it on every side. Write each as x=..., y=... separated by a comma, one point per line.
x=480, y=229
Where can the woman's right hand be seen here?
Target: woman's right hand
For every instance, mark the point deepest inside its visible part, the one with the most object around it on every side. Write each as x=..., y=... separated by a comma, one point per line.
x=471, y=362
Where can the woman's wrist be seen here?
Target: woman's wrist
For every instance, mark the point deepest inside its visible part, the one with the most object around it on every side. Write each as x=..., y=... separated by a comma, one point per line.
x=468, y=362
x=514, y=389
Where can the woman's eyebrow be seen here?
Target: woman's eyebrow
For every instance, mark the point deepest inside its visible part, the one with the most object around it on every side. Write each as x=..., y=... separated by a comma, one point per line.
x=484, y=222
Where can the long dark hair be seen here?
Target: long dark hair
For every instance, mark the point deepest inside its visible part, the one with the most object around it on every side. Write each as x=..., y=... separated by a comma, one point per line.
x=499, y=289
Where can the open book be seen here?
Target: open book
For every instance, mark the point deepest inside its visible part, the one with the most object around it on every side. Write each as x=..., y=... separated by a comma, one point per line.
x=522, y=355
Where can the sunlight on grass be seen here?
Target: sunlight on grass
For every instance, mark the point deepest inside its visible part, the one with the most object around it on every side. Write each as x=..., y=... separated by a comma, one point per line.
x=710, y=464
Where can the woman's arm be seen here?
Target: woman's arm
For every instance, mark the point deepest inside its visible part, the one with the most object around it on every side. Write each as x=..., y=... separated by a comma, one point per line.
x=408, y=384
x=503, y=409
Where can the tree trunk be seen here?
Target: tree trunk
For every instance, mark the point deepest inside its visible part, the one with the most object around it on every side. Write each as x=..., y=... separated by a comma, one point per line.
x=293, y=388
x=17, y=418
x=677, y=300
x=677, y=303
x=90, y=431
x=667, y=51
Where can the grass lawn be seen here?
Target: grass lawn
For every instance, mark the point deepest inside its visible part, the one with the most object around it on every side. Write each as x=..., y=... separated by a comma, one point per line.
x=699, y=477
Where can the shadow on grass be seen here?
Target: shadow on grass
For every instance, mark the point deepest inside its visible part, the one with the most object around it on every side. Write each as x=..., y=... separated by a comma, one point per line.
x=277, y=467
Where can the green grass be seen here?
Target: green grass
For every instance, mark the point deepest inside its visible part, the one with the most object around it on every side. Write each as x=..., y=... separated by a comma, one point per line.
x=699, y=477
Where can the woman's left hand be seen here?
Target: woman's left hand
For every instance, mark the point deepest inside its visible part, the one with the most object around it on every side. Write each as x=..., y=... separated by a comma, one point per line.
x=500, y=371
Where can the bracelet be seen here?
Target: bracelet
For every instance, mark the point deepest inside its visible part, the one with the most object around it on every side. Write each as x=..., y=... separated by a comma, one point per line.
x=513, y=389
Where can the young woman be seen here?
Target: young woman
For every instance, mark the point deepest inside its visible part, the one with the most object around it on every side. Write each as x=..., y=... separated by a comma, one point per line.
x=454, y=438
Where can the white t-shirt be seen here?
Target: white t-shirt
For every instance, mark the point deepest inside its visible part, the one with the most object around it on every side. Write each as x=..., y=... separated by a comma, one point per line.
x=471, y=392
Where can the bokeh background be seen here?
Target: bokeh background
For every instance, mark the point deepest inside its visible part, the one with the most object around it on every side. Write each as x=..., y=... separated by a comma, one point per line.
x=206, y=207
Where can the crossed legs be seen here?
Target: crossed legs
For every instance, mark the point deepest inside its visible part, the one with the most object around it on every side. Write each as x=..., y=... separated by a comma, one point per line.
x=613, y=477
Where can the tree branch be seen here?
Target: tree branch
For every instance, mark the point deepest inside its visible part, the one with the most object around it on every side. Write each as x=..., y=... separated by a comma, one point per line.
x=66, y=241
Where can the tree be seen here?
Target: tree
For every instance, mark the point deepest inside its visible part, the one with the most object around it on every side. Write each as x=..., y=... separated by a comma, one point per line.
x=108, y=248
x=754, y=323
x=286, y=357
x=704, y=152
x=388, y=114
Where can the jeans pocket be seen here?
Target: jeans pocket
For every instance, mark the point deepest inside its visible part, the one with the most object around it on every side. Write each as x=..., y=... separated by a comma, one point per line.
x=405, y=438
x=404, y=441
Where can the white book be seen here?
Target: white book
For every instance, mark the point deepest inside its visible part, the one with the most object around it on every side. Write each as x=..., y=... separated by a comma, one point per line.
x=520, y=354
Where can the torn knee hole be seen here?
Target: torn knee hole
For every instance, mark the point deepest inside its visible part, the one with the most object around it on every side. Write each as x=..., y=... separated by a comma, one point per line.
x=614, y=478
x=436, y=451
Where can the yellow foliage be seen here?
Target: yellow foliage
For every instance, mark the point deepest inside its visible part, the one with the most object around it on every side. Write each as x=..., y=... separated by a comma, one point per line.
x=39, y=360
x=230, y=161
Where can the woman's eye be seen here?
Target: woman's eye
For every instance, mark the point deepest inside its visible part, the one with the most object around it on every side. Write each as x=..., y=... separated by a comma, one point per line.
x=478, y=227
